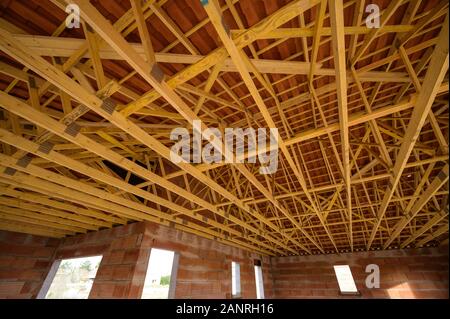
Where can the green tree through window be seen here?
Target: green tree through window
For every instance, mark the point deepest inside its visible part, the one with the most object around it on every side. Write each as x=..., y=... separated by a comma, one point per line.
x=165, y=280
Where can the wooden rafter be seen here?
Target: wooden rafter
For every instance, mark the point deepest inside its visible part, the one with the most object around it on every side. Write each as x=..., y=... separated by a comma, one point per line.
x=363, y=145
x=435, y=74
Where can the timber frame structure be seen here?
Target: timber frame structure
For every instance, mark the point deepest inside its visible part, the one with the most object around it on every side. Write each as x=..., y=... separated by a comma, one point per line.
x=362, y=114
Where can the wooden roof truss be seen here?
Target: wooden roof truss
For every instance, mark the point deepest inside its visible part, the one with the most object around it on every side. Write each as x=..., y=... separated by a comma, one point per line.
x=361, y=115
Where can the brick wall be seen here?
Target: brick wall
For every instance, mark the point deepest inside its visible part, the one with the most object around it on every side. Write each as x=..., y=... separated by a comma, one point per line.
x=24, y=263
x=412, y=273
x=204, y=269
x=120, y=248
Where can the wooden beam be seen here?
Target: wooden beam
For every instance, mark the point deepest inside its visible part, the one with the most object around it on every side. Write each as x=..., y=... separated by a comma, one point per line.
x=358, y=118
x=437, y=183
x=65, y=47
x=113, y=181
x=92, y=40
x=433, y=79
x=96, y=197
x=30, y=229
x=60, y=129
x=143, y=30
x=437, y=218
x=443, y=144
x=439, y=232
x=209, y=83
x=282, y=33
x=279, y=214
x=172, y=26
x=316, y=38
x=374, y=32
x=101, y=25
x=24, y=215
x=80, y=214
x=277, y=19
x=338, y=43
x=241, y=60
x=435, y=12
x=362, y=117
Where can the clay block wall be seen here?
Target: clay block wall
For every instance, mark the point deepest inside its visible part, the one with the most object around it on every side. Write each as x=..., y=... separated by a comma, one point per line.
x=411, y=273
x=120, y=248
x=24, y=263
x=204, y=268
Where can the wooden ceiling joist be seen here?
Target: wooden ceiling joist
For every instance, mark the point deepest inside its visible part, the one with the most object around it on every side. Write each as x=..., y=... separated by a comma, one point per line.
x=86, y=116
x=433, y=79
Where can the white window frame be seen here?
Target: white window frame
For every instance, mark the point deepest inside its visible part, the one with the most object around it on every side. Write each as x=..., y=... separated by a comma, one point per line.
x=49, y=279
x=259, y=282
x=347, y=285
x=52, y=273
x=235, y=279
x=173, y=272
x=173, y=275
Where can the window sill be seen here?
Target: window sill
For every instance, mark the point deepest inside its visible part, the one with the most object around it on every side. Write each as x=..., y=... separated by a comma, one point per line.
x=355, y=294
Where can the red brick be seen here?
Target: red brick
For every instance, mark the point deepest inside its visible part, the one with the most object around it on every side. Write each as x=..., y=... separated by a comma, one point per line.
x=117, y=244
x=135, y=292
x=53, y=242
x=174, y=246
x=16, y=250
x=22, y=296
x=31, y=287
x=204, y=269
x=42, y=264
x=432, y=276
x=6, y=261
x=122, y=272
x=414, y=276
x=105, y=272
x=116, y=257
x=431, y=294
x=13, y=237
x=121, y=231
x=10, y=274
x=394, y=293
x=400, y=276
x=204, y=288
x=90, y=250
x=131, y=256
x=426, y=285
x=119, y=291
x=105, y=289
x=43, y=252
x=131, y=241
x=444, y=276
x=30, y=274
x=378, y=293
x=213, y=275
x=441, y=285
x=10, y=289
x=24, y=262
x=144, y=255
